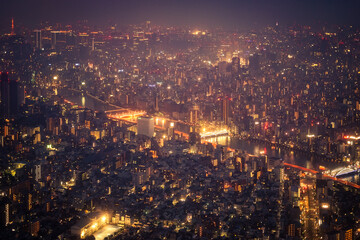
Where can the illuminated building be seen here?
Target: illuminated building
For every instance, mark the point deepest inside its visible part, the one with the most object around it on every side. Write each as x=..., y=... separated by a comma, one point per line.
x=4, y=212
x=89, y=224
x=92, y=44
x=171, y=132
x=145, y=126
x=194, y=114
x=34, y=228
x=291, y=230
x=37, y=172
x=349, y=234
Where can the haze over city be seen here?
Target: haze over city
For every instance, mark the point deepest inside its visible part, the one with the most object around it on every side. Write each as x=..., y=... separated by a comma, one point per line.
x=179, y=119
x=231, y=14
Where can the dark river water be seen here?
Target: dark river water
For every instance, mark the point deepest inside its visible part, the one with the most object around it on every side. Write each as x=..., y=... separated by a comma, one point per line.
x=84, y=100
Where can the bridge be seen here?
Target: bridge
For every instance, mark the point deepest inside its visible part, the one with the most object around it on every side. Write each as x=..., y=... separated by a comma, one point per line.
x=124, y=114
x=160, y=122
x=344, y=171
x=347, y=183
x=218, y=133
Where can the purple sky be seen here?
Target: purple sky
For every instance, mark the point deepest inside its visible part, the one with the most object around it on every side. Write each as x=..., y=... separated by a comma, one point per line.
x=230, y=13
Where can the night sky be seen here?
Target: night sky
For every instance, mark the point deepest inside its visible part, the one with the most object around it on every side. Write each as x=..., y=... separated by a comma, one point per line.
x=237, y=14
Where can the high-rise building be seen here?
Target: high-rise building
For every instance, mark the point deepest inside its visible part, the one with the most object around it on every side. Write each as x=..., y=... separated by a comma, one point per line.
x=145, y=126
x=92, y=44
x=53, y=39
x=37, y=172
x=171, y=130
x=4, y=212
x=9, y=95
x=38, y=39
x=254, y=63
x=21, y=94
x=12, y=27
x=13, y=96
x=5, y=106
x=225, y=110
x=148, y=26
x=235, y=65
x=194, y=113
x=156, y=103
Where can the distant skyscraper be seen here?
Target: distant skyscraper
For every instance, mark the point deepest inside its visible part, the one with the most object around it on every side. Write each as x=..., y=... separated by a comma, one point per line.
x=12, y=27
x=53, y=39
x=235, y=65
x=92, y=44
x=4, y=212
x=145, y=126
x=38, y=39
x=13, y=97
x=21, y=95
x=9, y=95
x=194, y=113
x=156, y=103
x=225, y=110
x=148, y=27
x=5, y=106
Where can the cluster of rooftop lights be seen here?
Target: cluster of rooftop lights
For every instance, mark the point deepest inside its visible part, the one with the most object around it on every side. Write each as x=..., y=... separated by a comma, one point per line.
x=94, y=226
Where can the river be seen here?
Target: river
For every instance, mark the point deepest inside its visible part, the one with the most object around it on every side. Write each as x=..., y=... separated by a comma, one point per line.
x=86, y=100
x=247, y=146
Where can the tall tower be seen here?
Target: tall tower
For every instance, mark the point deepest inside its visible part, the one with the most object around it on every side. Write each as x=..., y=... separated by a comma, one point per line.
x=12, y=27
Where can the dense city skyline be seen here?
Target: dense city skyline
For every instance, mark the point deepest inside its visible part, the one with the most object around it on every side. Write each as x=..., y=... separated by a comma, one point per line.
x=129, y=120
